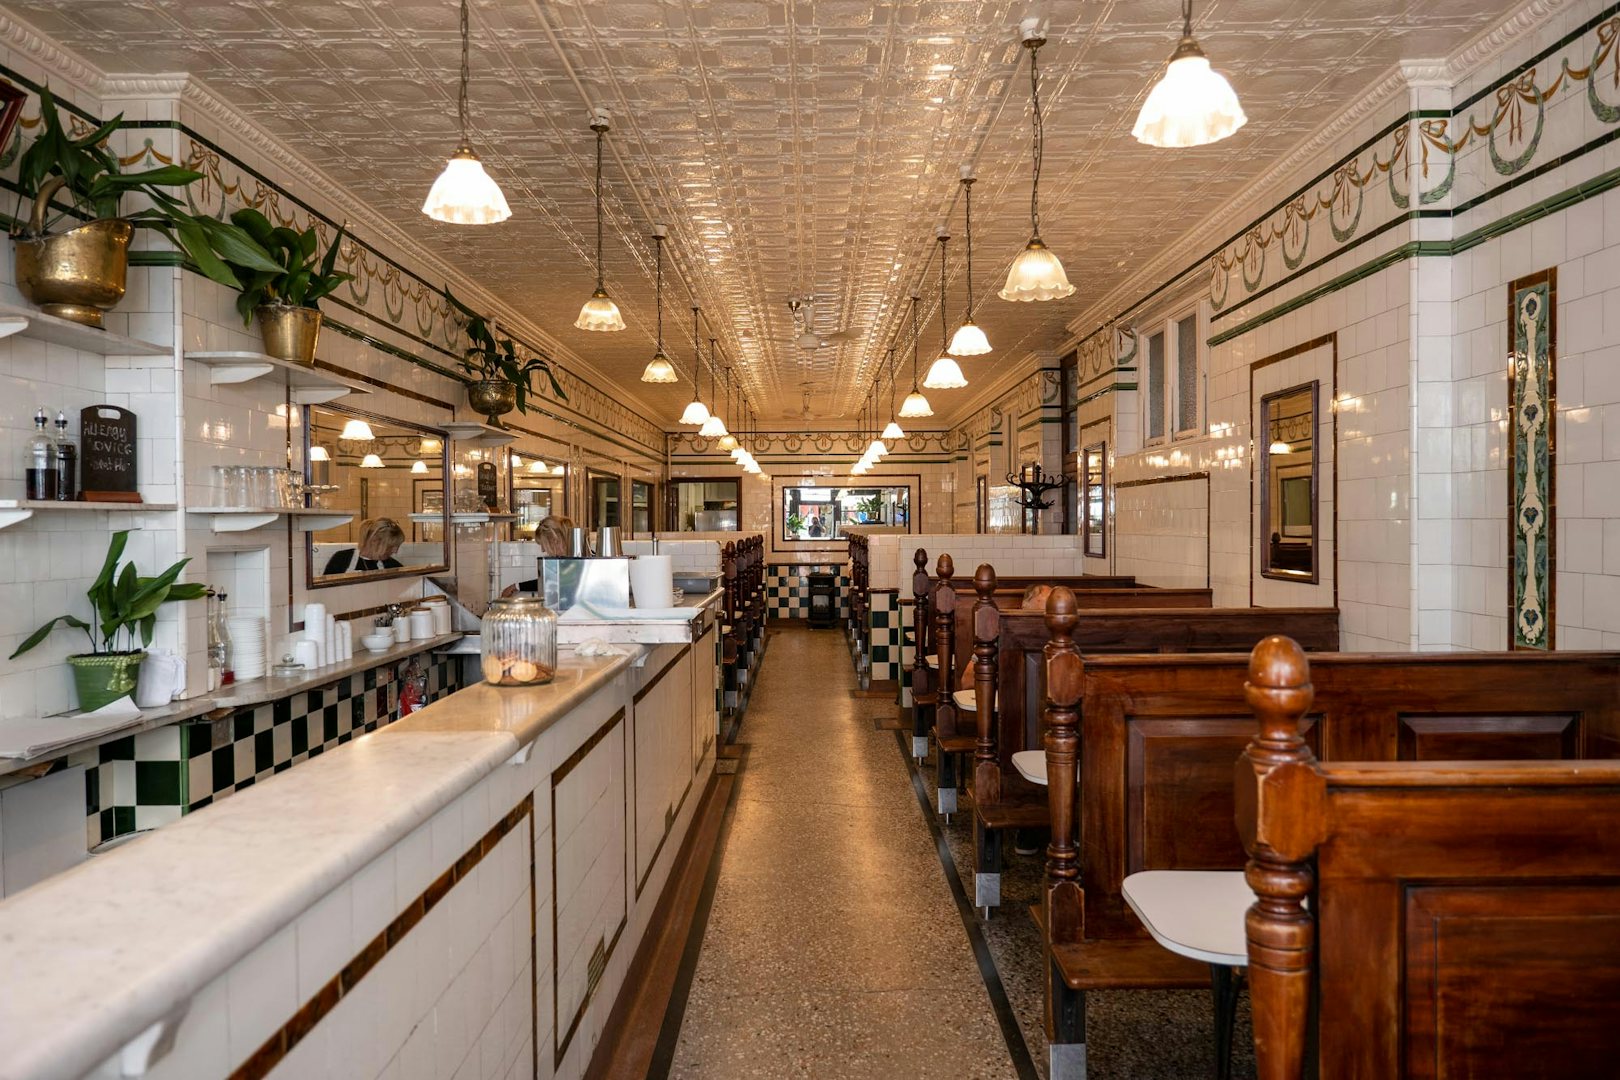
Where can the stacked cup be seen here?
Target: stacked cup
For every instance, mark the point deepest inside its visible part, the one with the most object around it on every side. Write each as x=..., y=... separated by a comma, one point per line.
x=248, y=637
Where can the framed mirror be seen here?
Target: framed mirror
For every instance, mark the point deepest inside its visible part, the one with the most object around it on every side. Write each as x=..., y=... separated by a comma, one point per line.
x=1093, y=498
x=641, y=508
x=1288, y=492
x=818, y=514
x=705, y=505
x=391, y=475
x=603, y=488
x=539, y=490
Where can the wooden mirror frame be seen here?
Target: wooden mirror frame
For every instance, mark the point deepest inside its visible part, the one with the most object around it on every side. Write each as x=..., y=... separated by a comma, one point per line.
x=1101, y=450
x=1262, y=447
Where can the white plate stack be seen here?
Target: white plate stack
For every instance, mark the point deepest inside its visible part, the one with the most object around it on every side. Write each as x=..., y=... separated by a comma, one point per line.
x=249, y=640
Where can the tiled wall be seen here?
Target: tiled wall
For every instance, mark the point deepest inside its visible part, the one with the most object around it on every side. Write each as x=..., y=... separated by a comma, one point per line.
x=1012, y=556
x=1167, y=531
x=883, y=635
x=787, y=589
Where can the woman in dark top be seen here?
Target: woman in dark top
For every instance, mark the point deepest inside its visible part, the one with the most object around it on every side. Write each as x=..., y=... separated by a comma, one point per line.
x=380, y=539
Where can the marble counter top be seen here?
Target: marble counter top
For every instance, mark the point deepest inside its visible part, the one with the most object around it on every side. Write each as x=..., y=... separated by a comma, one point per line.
x=573, y=628
x=114, y=945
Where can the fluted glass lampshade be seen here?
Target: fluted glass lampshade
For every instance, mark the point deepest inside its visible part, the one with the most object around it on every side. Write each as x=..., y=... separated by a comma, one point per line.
x=892, y=431
x=945, y=374
x=875, y=450
x=659, y=370
x=535, y=466
x=371, y=461
x=419, y=467
x=713, y=427
x=728, y=441
x=1280, y=447
x=464, y=194
x=318, y=453
x=915, y=406
x=737, y=452
x=1036, y=275
x=357, y=431
x=599, y=313
x=559, y=470
x=860, y=468
x=752, y=466
x=1192, y=105
x=696, y=412
x=969, y=340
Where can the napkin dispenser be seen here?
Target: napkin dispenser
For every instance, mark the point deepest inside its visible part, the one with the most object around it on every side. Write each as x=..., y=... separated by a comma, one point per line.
x=602, y=583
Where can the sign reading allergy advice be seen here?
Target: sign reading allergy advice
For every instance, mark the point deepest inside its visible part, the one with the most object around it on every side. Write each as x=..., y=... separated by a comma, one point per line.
x=107, y=454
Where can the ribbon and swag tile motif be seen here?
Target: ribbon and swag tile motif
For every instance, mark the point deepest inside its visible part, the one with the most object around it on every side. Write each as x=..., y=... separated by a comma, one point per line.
x=1531, y=343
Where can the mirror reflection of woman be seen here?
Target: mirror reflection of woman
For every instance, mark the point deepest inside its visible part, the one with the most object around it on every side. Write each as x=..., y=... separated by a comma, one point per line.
x=380, y=540
x=553, y=535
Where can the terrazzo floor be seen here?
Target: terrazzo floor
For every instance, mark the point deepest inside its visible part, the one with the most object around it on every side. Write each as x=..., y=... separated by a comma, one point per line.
x=834, y=947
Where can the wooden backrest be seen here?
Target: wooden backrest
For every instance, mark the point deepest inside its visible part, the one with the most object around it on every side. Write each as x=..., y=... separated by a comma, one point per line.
x=944, y=645
x=1463, y=918
x=922, y=587
x=1161, y=733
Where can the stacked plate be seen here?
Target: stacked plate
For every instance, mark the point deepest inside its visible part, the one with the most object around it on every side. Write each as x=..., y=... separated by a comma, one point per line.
x=249, y=639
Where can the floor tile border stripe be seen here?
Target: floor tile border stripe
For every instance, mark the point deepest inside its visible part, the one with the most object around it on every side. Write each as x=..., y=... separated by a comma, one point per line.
x=1017, y=1048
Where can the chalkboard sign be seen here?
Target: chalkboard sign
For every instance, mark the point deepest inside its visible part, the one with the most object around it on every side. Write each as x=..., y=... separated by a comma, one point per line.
x=107, y=454
x=488, y=487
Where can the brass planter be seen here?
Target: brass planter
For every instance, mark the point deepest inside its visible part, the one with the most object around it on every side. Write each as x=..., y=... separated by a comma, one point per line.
x=492, y=398
x=78, y=274
x=289, y=332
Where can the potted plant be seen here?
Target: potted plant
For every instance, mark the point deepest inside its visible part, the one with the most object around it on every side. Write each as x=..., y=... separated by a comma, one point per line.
x=80, y=273
x=870, y=509
x=125, y=606
x=795, y=524
x=502, y=381
x=285, y=296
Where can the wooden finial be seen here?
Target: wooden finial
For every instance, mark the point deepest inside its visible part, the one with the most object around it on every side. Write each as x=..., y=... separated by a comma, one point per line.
x=1062, y=613
x=945, y=569
x=984, y=581
x=919, y=558
x=1280, y=693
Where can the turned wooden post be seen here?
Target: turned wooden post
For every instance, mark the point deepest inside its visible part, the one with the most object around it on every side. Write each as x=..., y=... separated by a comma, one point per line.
x=986, y=637
x=922, y=691
x=1063, y=900
x=1280, y=806
x=944, y=645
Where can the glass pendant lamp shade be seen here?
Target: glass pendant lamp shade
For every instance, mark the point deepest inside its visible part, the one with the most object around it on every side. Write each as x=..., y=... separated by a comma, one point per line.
x=713, y=427
x=371, y=461
x=659, y=370
x=535, y=466
x=696, y=412
x=915, y=406
x=600, y=313
x=969, y=340
x=559, y=470
x=892, y=431
x=945, y=374
x=464, y=194
x=728, y=441
x=1036, y=275
x=318, y=453
x=419, y=467
x=356, y=431
x=737, y=452
x=876, y=450
x=1192, y=104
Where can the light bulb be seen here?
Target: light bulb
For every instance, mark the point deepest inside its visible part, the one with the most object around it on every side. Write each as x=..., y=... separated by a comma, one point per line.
x=696, y=412
x=357, y=431
x=599, y=313
x=464, y=194
x=713, y=427
x=1036, y=275
x=659, y=370
x=945, y=374
x=371, y=461
x=318, y=453
x=892, y=431
x=419, y=467
x=1192, y=105
x=969, y=340
x=915, y=406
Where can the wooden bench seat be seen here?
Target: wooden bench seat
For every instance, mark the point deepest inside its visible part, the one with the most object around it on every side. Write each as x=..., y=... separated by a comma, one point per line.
x=1019, y=804
x=1122, y=964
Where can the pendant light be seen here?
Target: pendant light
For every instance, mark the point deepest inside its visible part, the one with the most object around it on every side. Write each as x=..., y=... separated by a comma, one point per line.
x=1036, y=274
x=969, y=340
x=728, y=441
x=696, y=412
x=599, y=312
x=713, y=427
x=464, y=194
x=371, y=461
x=893, y=430
x=1192, y=104
x=318, y=453
x=419, y=467
x=944, y=373
x=659, y=369
x=915, y=405
x=356, y=431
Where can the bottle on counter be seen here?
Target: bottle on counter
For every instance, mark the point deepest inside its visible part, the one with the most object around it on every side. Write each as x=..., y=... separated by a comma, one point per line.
x=67, y=461
x=39, y=461
x=219, y=646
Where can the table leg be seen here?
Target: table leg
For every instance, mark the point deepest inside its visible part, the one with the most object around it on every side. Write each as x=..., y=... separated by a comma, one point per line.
x=1223, y=980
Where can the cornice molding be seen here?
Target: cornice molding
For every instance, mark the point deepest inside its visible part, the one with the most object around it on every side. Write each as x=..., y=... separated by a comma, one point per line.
x=1276, y=183
x=48, y=54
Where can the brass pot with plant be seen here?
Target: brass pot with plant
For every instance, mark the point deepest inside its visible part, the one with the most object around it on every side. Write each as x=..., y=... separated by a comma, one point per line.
x=124, y=606
x=285, y=298
x=80, y=273
x=502, y=380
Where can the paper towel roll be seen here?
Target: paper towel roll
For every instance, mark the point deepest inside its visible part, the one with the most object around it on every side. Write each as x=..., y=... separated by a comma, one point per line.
x=307, y=652
x=315, y=622
x=652, y=581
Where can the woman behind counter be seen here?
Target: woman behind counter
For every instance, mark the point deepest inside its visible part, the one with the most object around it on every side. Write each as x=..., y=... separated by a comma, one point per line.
x=552, y=534
x=380, y=539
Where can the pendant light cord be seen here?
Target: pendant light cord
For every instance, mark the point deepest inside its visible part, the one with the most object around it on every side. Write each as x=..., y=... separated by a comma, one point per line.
x=1186, y=18
x=697, y=358
x=599, y=132
x=967, y=191
x=658, y=241
x=944, y=329
x=1035, y=99
x=892, y=388
x=466, y=74
x=914, y=335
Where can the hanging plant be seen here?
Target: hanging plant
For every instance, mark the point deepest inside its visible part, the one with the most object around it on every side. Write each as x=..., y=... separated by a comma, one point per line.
x=491, y=360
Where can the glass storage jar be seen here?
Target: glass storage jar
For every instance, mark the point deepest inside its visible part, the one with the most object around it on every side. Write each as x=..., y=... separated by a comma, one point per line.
x=519, y=642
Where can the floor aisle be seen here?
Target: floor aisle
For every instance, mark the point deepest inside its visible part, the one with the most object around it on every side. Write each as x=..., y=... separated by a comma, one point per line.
x=833, y=948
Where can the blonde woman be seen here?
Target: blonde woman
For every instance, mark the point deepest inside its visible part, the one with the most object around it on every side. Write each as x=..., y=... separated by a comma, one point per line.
x=552, y=534
x=380, y=539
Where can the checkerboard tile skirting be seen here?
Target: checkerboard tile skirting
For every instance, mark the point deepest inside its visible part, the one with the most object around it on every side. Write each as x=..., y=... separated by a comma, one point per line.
x=883, y=634
x=151, y=779
x=787, y=589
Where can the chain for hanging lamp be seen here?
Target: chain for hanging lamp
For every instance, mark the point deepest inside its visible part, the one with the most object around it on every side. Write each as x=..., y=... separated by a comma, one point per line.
x=599, y=312
x=1036, y=274
x=464, y=194
x=944, y=373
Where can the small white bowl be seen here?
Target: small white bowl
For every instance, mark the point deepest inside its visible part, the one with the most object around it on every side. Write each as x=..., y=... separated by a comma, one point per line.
x=378, y=642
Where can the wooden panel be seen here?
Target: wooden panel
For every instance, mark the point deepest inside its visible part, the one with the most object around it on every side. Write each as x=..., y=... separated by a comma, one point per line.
x=1489, y=738
x=1512, y=981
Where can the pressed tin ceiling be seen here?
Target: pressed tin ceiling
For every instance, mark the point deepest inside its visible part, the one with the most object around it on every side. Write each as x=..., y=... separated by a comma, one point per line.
x=793, y=148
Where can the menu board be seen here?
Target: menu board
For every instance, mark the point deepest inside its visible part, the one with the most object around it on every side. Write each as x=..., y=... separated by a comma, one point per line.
x=107, y=454
x=489, y=489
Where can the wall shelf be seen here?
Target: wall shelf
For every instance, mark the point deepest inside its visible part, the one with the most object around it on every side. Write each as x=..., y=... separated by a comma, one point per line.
x=29, y=322
x=468, y=518
x=473, y=433
x=17, y=511
x=229, y=519
x=308, y=386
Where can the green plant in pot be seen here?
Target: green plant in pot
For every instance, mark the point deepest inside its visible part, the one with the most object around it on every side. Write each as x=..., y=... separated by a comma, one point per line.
x=871, y=508
x=125, y=606
x=285, y=296
x=795, y=524
x=80, y=273
x=502, y=380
